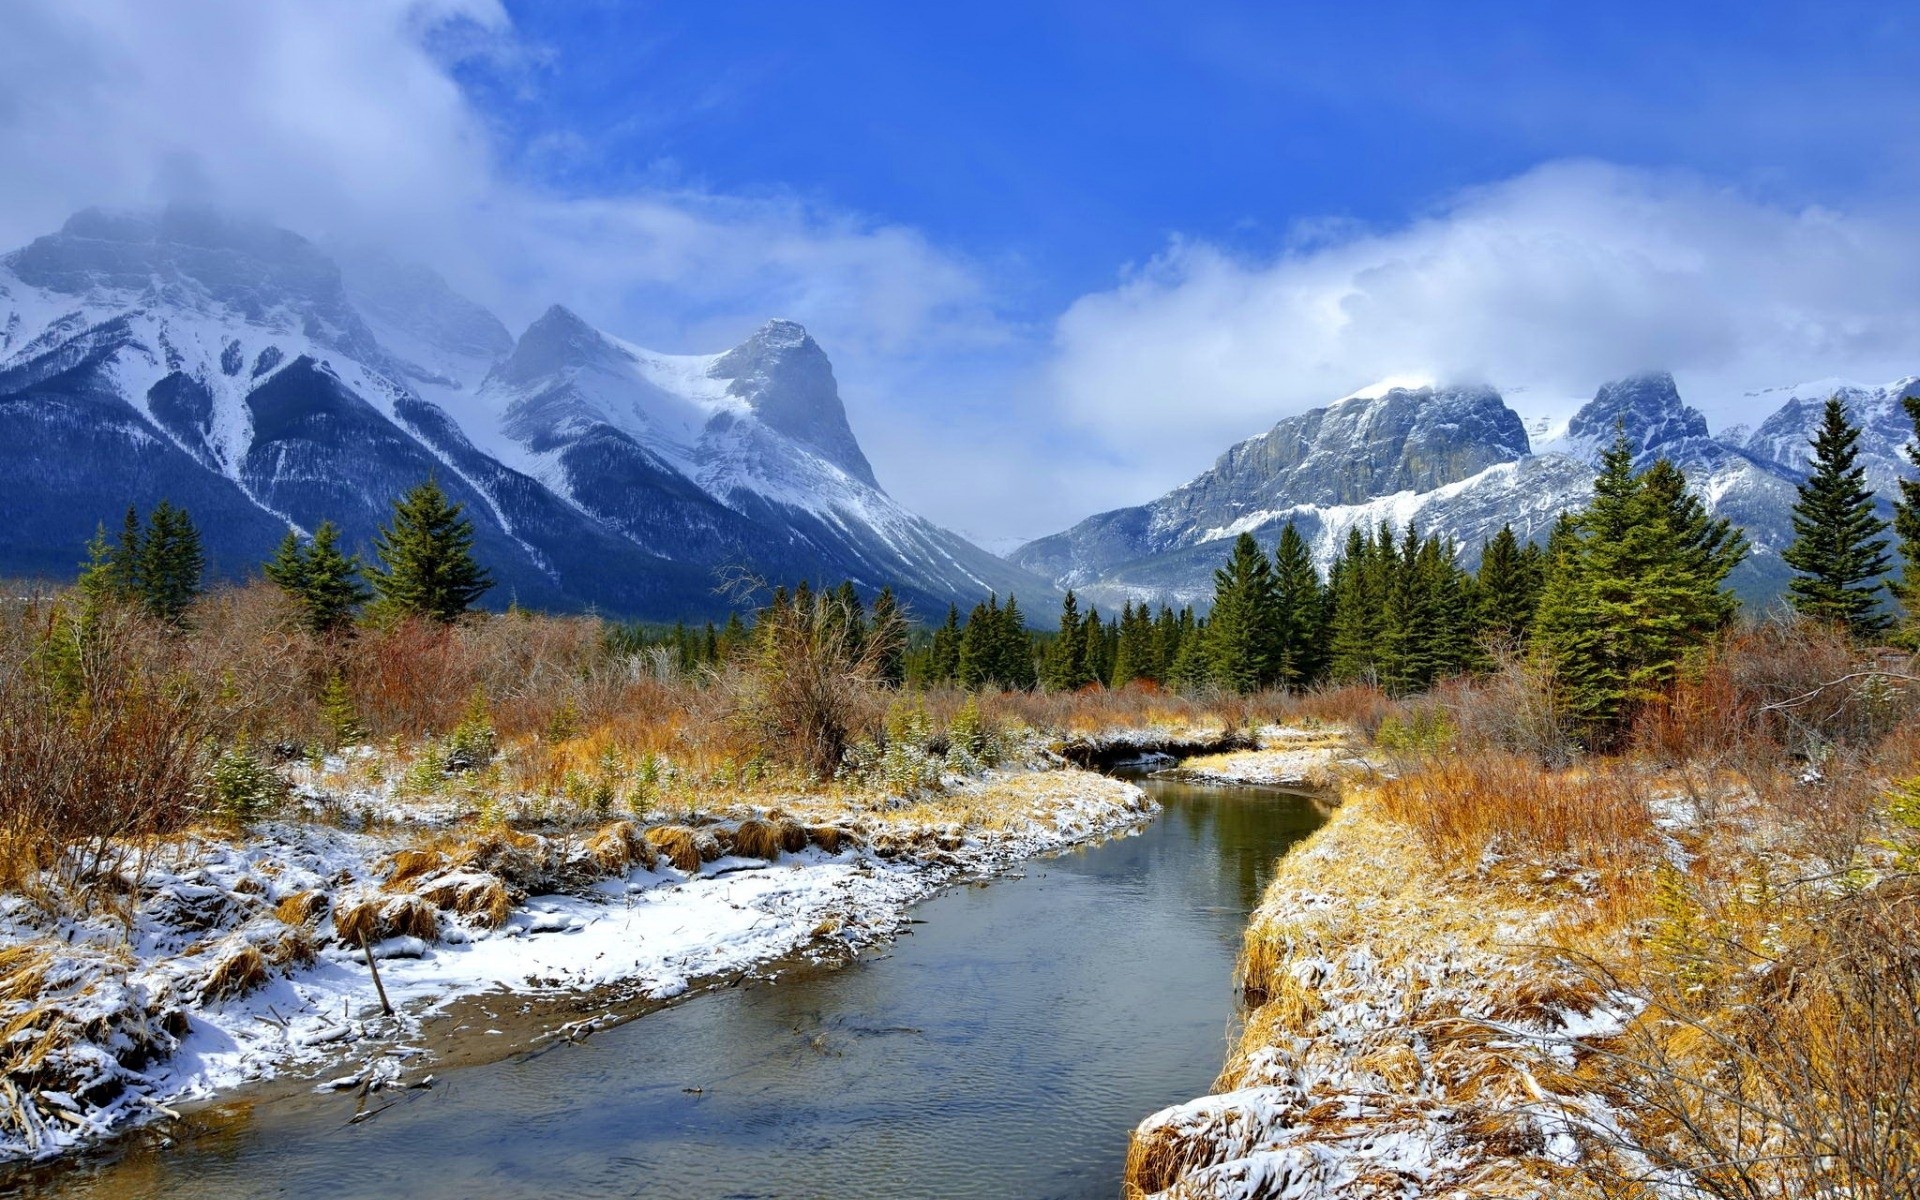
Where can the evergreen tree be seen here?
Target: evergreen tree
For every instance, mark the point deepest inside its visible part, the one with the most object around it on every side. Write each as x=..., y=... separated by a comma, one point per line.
x=1240, y=629
x=169, y=564
x=1838, y=555
x=732, y=636
x=943, y=660
x=979, y=645
x=1166, y=644
x=1634, y=584
x=1299, y=612
x=1358, y=602
x=1192, y=667
x=888, y=617
x=1509, y=588
x=1013, y=658
x=326, y=584
x=1906, y=527
x=1066, y=667
x=428, y=569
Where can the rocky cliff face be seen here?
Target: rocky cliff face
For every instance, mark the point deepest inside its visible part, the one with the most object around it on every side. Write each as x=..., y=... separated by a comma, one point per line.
x=235, y=368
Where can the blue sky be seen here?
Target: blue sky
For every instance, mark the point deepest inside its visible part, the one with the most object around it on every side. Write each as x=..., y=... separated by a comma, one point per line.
x=1061, y=254
x=1063, y=140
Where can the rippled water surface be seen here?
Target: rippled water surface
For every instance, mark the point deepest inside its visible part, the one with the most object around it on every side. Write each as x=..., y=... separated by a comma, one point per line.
x=1004, y=1048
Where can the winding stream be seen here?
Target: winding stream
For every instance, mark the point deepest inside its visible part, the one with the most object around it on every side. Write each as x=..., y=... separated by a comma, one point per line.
x=1004, y=1048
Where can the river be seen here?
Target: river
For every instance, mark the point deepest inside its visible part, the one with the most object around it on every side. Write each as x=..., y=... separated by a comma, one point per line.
x=1004, y=1047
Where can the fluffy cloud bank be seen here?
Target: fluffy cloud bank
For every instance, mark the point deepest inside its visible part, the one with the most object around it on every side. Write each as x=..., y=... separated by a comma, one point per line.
x=349, y=118
x=1545, y=284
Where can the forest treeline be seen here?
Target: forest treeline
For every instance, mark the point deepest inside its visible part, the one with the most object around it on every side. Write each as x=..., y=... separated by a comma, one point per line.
x=1608, y=608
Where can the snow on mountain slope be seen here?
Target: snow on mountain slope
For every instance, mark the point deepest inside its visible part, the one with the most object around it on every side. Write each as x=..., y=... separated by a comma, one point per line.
x=186, y=353
x=1346, y=466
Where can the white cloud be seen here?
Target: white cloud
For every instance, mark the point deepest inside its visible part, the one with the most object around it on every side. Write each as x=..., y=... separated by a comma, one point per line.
x=344, y=118
x=1546, y=285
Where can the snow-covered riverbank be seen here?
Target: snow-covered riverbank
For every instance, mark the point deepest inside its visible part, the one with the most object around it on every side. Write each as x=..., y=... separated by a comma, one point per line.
x=1407, y=1039
x=242, y=958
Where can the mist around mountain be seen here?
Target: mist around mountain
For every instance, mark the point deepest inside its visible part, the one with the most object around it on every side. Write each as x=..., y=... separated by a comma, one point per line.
x=267, y=383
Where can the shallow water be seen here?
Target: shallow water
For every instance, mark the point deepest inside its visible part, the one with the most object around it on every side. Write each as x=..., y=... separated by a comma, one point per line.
x=1003, y=1048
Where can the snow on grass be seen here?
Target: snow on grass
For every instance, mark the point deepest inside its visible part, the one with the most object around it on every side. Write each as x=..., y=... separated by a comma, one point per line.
x=232, y=968
x=1408, y=1039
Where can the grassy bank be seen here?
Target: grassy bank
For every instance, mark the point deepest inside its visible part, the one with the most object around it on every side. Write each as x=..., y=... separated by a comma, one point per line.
x=1687, y=971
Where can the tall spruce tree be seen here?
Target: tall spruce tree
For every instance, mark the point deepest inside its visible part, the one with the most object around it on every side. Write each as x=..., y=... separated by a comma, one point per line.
x=1241, y=626
x=980, y=646
x=1635, y=583
x=427, y=564
x=1299, y=605
x=943, y=658
x=1358, y=603
x=1066, y=666
x=1838, y=555
x=1013, y=658
x=170, y=564
x=1509, y=588
x=327, y=585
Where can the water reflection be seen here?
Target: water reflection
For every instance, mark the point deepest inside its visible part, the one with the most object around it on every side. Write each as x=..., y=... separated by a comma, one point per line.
x=1003, y=1048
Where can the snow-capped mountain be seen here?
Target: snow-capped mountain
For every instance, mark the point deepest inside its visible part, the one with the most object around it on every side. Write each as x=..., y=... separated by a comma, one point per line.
x=1458, y=462
x=237, y=369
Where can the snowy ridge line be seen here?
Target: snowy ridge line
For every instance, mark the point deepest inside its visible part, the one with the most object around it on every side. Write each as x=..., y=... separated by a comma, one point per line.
x=139, y=1018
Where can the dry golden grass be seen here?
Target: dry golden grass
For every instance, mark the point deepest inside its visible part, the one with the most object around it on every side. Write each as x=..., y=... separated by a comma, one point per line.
x=235, y=973
x=619, y=847
x=302, y=908
x=373, y=918
x=479, y=896
x=679, y=845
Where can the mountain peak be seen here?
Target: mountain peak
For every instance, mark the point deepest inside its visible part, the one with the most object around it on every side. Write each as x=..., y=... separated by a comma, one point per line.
x=557, y=340
x=785, y=377
x=1646, y=407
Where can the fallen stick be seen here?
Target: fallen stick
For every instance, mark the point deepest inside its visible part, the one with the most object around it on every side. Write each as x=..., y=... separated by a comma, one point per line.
x=374, y=967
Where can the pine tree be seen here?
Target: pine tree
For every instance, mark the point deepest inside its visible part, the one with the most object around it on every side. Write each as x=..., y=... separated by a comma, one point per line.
x=169, y=564
x=888, y=617
x=1299, y=607
x=1066, y=658
x=326, y=584
x=1906, y=527
x=1838, y=555
x=1358, y=602
x=1634, y=584
x=943, y=660
x=1013, y=658
x=979, y=645
x=1241, y=626
x=1509, y=588
x=428, y=568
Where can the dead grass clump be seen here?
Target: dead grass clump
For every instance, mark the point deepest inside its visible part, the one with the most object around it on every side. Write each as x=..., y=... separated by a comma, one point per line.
x=755, y=839
x=409, y=865
x=294, y=947
x=480, y=897
x=235, y=973
x=376, y=918
x=832, y=838
x=523, y=860
x=679, y=844
x=619, y=847
x=302, y=908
